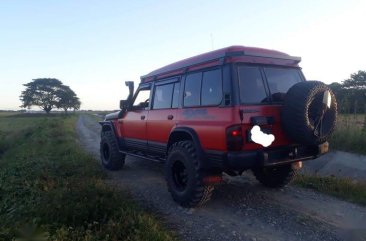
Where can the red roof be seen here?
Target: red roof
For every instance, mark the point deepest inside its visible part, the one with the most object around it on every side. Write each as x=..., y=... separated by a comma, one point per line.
x=228, y=54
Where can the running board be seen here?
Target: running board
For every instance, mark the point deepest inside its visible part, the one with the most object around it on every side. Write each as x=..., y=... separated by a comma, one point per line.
x=141, y=155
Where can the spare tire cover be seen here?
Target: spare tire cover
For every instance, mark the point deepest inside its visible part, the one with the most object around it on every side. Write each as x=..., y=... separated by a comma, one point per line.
x=305, y=118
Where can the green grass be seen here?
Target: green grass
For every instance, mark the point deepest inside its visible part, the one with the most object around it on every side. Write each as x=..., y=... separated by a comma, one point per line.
x=350, y=134
x=51, y=190
x=345, y=189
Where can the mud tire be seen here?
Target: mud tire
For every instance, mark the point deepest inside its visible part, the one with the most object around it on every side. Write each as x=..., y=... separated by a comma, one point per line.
x=110, y=156
x=276, y=176
x=184, y=176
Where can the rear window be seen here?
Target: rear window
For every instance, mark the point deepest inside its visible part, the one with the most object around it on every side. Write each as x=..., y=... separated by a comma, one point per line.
x=280, y=81
x=251, y=85
x=211, y=87
x=192, y=89
x=203, y=89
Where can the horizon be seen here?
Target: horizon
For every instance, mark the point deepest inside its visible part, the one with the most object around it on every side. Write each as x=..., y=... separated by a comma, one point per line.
x=95, y=47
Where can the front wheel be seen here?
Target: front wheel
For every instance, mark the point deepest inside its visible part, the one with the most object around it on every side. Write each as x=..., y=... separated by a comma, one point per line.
x=276, y=176
x=111, y=158
x=184, y=176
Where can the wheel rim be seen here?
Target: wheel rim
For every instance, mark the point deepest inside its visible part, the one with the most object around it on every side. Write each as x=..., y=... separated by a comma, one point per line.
x=320, y=119
x=180, y=175
x=106, y=152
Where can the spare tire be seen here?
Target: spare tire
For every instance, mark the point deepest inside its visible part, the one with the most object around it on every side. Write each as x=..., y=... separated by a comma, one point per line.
x=305, y=118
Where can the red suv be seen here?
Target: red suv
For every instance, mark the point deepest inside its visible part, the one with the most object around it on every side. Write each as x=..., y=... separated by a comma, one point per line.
x=229, y=110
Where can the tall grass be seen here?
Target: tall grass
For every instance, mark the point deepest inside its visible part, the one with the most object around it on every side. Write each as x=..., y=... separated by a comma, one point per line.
x=51, y=190
x=350, y=134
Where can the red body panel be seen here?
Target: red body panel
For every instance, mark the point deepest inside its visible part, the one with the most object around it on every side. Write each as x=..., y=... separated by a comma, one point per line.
x=266, y=111
x=210, y=124
x=132, y=126
x=159, y=126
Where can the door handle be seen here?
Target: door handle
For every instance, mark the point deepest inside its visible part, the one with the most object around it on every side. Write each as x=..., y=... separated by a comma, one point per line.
x=170, y=117
x=142, y=117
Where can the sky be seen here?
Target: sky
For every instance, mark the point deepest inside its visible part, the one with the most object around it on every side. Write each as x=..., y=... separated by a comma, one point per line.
x=95, y=46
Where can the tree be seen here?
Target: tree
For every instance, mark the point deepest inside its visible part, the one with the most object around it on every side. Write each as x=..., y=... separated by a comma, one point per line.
x=356, y=88
x=49, y=93
x=68, y=99
x=357, y=81
x=351, y=93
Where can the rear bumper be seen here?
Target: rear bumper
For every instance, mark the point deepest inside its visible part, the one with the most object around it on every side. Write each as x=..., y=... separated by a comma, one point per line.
x=267, y=157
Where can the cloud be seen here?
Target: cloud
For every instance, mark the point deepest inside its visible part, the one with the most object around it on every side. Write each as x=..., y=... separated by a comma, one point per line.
x=260, y=137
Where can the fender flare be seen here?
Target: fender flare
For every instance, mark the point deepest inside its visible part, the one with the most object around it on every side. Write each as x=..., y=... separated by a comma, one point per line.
x=184, y=132
x=108, y=125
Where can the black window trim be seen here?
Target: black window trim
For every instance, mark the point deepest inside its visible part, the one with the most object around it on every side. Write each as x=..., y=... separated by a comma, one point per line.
x=167, y=81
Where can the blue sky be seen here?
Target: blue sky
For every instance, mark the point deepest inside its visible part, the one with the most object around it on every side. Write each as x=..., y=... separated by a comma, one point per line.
x=94, y=46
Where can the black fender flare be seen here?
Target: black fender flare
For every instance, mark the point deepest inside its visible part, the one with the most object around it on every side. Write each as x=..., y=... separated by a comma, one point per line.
x=184, y=133
x=108, y=125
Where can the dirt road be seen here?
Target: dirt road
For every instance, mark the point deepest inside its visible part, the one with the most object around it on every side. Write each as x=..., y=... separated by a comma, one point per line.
x=240, y=209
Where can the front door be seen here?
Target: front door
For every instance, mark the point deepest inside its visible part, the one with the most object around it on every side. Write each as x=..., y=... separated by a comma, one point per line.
x=162, y=116
x=133, y=124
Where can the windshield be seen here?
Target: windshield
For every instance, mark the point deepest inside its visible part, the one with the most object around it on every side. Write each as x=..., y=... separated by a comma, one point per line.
x=254, y=79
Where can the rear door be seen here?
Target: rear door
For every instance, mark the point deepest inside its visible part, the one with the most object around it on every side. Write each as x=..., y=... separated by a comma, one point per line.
x=162, y=116
x=261, y=95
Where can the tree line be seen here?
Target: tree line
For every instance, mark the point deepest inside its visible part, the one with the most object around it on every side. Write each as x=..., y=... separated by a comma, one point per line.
x=351, y=93
x=49, y=93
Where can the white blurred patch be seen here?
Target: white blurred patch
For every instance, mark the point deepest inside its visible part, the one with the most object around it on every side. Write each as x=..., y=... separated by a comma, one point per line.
x=260, y=137
x=327, y=98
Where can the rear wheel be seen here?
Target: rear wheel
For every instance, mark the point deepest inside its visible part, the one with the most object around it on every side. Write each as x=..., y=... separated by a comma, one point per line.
x=276, y=176
x=184, y=176
x=111, y=158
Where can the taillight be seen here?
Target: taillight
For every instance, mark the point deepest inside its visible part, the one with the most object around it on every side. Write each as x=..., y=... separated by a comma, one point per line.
x=236, y=133
x=234, y=138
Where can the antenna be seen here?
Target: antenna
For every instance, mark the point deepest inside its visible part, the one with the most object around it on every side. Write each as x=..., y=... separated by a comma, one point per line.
x=212, y=41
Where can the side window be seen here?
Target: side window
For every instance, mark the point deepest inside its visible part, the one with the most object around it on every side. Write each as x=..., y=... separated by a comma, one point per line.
x=192, y=90
x=251, y=85
x=142, y=99
x=176, y=95
x=163, y=96
x=211, y=87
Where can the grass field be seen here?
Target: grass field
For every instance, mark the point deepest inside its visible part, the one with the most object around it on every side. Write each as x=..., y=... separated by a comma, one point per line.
x=51, y=190
x=345, y=189
x=350, y=134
